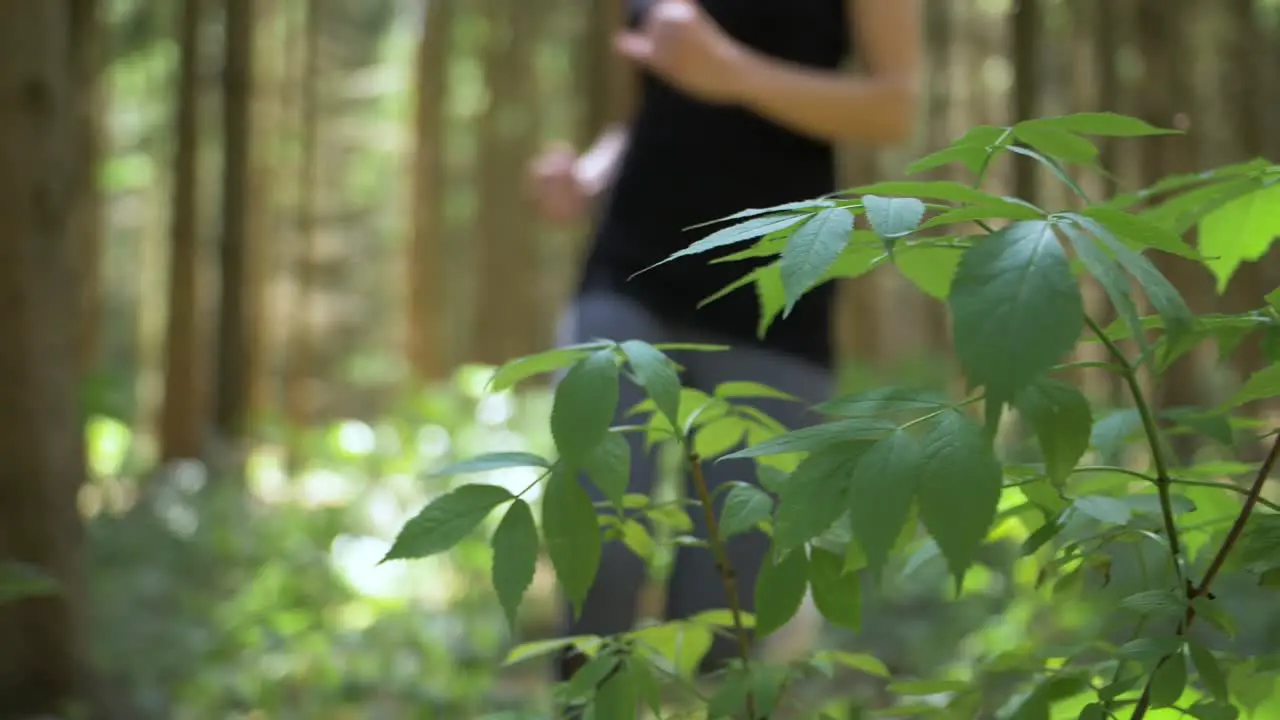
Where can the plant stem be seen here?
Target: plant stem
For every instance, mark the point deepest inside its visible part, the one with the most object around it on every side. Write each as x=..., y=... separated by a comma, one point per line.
x=1252, y=500
x=727, y=575
x=1152, y=430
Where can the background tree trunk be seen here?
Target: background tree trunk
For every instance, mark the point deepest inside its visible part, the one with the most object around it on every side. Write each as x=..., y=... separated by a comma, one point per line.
x=43, y=654
x=232, y=389
x=183, y=418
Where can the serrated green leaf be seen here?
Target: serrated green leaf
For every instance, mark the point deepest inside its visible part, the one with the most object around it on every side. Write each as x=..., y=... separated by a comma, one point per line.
x=523, y=368
x=656, y=373
x=1210, y=672
x=1149, y=650
x=1104, y=509
x=881, y=492
x=932, y=189
x=540, y=648
x=515, y=557
x=959, y=489
x=1163, y=296
x=737, y=389
x=1111, y=276
x=836, y=593
x=812, y=250
x=770, y=295
x=584, y=406
x=893, y=217
x=683, y=644
x=1261, y=385
x=861, y=662
x=1205, y=710
x=619, y=696
x=879, y=401
x=803, y=205
x=1093, y=711
x=1062, y=420
x=446, y=521
x=730, y=700
x=572, y=535
x=971, y=150
x=744, y=507
x=1160, y=602
x=816, y=494
x=1056, y=142
x=1240, y=231
x=609, y=467
x=1106, y=124
x=1169, y=681
x=780, y=588
x=719, y=436
x=638, y=540
x=741, y=232
x=932, y=268
x=1016, y=307
x=493, y=461
x=585, y=682
x=1141, y=233
x=816, y=437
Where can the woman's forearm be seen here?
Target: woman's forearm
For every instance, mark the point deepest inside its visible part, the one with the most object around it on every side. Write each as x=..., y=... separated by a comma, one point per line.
x=826, y=104
x=597, y=166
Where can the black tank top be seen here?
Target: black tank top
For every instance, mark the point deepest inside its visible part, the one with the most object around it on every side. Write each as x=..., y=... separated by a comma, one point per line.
x=688, y=162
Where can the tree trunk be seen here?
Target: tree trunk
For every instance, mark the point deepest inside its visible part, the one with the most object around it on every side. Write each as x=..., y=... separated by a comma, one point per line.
x=427, y=339
x=1026, y=32
x=300, y=352
x=87, y=62
x=183, y=419
x=232, y=391
x=43, y=649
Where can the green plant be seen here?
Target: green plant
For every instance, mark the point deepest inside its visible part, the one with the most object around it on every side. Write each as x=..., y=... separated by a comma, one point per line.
x=1123, y=556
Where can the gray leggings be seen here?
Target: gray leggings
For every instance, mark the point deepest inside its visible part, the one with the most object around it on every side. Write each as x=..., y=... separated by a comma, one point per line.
x=695, y=586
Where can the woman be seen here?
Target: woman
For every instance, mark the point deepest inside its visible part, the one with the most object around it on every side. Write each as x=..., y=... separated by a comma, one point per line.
x=740, y=103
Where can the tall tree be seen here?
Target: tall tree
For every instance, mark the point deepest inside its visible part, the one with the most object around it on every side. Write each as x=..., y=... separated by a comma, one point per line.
x=232, y=388
x=87, y=62
x=43, y=658
x=300, y=349
x=510, y=318
x=183, y=416
x=426, y=336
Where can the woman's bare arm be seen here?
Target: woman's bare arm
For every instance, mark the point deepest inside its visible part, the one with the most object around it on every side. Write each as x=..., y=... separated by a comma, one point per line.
x=877, y=106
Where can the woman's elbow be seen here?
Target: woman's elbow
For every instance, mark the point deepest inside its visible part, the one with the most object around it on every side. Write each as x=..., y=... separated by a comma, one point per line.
x=899, y=113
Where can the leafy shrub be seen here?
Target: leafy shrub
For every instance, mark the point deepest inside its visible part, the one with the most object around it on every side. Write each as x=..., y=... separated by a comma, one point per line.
x=1120, y=557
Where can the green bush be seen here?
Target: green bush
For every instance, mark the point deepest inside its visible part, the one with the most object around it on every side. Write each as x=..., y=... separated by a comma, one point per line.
x=1145, y=583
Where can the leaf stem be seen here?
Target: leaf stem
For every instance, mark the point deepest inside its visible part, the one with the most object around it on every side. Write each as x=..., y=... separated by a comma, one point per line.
x=1252, y=500
x=1152, y=430
x=727, y=574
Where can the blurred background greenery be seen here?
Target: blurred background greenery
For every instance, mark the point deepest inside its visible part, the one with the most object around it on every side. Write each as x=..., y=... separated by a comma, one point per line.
x=323, y=200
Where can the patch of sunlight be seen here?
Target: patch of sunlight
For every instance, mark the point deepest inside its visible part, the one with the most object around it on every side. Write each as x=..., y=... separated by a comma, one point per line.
x=387, y=439
x=322, y=487
x=495, y=409
x=385, y=512
x=515, y=480
x=177, y=514
x=472, y=380
x=433, y=442
x=267, y=478
x=108, y=440
x=355, y=438
x=356, y=558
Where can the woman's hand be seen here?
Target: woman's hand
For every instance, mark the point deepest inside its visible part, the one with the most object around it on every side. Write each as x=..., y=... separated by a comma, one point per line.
x=558, y=192
x=680, y=43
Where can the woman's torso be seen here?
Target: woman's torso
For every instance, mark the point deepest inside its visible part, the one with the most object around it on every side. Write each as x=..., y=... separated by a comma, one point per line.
x=688, y=162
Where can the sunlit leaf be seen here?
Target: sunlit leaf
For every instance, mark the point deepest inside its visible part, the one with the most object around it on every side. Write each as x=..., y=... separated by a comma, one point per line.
x=584, y=406
x=1240, y=231
x=572, y=535
x=780, y=588
x=515, y=556
x=446, y=521
x=1016, y=308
